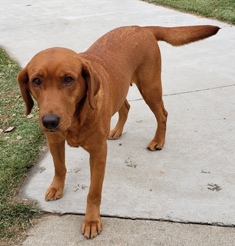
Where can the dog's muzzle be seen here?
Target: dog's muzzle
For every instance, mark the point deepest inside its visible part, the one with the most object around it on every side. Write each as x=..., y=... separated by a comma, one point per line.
x=50, y=121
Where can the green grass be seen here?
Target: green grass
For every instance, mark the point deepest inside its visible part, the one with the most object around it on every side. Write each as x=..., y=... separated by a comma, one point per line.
x=223, y=10
x=19, y=149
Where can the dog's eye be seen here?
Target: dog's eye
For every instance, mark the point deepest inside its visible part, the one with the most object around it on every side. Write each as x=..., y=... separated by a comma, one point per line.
x=36, y=82
x=68, y=80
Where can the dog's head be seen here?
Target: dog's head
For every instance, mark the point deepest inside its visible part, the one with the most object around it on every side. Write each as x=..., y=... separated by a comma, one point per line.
x=61, y=82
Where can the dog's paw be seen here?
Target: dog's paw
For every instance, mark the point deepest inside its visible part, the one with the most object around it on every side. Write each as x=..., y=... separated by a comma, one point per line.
x=53, y=193
x=155, y=145
x=114, y=134
x=91, y=228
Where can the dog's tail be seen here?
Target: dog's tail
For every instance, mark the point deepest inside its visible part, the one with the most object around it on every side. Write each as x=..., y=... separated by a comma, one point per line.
x=177, y=36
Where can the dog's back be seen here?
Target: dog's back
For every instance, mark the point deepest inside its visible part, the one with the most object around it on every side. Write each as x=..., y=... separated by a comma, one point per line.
x=127, y=38
x=135, y=43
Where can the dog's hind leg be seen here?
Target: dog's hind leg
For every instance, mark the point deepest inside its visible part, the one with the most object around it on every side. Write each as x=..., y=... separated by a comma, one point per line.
x=116, y=132
x=155, y=103
x=161, y=115
x=151, y=90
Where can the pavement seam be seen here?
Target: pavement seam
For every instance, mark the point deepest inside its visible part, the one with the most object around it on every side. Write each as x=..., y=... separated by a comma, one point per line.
x=216, y=224
x=187, y=92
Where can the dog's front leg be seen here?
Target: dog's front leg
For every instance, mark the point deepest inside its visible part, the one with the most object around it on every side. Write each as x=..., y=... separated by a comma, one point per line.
x=92, y=225
x=56, y=144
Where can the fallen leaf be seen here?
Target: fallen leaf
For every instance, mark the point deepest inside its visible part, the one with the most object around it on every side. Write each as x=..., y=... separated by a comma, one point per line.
x=1, y=131
x=30, y=116
x=9, y=129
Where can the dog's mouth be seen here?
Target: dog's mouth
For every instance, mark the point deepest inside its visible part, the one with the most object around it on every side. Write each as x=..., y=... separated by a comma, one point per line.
x=51, y=130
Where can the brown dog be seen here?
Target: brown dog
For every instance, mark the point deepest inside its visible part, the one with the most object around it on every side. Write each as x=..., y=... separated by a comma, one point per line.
x=77, y=94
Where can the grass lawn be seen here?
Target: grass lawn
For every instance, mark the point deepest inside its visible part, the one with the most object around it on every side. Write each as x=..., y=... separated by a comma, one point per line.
x=223, y=10
x=19, y=148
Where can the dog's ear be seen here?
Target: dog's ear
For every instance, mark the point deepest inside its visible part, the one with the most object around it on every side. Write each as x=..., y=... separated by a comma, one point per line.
x=23, y=81
x=93, y=82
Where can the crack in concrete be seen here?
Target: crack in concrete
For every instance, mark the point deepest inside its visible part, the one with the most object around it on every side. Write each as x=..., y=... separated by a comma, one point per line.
x=218, y=224
x=187, y=92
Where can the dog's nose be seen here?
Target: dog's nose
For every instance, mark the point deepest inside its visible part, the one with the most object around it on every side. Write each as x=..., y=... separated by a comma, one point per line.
x=50, y=121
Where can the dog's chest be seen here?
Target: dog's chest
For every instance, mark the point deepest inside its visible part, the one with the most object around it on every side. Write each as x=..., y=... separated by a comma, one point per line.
x=72, y=142
x=76, y=138
x=73, y=138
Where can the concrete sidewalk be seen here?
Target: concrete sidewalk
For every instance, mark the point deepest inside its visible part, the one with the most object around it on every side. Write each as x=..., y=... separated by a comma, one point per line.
x=190, y=181
x=65, y=230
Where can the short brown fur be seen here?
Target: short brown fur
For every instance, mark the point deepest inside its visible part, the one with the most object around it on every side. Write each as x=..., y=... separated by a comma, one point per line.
x=77, y=94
